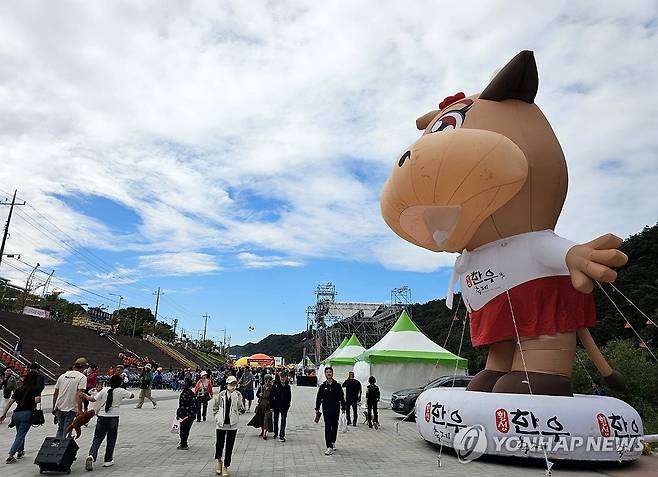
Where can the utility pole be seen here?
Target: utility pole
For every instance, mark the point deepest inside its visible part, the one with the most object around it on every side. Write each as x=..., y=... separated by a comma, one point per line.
x=134, y=322
x=157, y=304
x=11, y=210
x=175, y=323
x=206, y=316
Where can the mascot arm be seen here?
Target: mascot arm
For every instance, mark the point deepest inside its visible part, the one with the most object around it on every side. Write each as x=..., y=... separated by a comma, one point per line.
x=551, y=251
x=595, y=260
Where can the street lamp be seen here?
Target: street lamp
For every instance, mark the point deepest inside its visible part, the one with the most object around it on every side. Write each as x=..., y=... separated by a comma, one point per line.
x=120, y=298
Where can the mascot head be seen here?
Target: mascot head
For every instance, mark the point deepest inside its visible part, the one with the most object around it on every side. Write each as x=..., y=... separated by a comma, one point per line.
x=487, y=166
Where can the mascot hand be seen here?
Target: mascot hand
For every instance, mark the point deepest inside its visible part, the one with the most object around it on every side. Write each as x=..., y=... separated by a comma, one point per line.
x=594, y=261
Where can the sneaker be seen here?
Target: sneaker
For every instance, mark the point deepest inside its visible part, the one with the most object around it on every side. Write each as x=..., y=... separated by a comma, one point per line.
x=154, y=405
x=376, y=425
x=282, y=439
x=11, y=459
x=329, y=451
x=89, y=463
x=225, y=472
x=218, y=467
x=182, y=447
x=108, y=464
x=20, y=455
x=333, y=446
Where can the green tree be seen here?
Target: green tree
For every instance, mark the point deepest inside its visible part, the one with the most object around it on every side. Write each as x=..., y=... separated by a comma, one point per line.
x=641, y=374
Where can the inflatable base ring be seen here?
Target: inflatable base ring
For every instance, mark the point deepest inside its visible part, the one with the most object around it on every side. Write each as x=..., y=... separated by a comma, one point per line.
x=582, y=427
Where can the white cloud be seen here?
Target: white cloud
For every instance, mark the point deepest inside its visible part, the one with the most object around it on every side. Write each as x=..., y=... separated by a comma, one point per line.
x=251, y=260
x=398, y=254
x=200, y=117
x=184, y=263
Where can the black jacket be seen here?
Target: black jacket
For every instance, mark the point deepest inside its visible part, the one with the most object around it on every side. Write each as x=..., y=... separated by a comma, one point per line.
x=281, y=396
x=352, y=390
x=331, y=397
x=187, y=403
x=372, y=393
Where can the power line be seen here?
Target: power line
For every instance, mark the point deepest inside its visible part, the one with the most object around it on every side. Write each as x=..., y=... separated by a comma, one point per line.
x=90, y=258
x=64, y=289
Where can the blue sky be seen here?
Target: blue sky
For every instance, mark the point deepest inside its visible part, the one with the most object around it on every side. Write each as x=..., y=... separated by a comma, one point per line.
x=233, y=154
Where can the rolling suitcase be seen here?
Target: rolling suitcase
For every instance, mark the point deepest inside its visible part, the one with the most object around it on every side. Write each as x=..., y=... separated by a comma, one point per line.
x=56, y=455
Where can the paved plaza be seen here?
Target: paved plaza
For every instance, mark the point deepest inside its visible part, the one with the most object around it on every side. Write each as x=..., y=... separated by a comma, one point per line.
x=145, y=447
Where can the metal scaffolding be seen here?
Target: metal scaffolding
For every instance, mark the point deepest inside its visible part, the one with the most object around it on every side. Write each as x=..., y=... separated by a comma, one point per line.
x=329, y=321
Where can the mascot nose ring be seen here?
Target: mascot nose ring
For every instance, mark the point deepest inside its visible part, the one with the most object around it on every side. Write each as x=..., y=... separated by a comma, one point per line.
x=404, y=157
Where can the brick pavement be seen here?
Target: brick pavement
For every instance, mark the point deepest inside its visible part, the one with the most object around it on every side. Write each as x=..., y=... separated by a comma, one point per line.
x=145, y=447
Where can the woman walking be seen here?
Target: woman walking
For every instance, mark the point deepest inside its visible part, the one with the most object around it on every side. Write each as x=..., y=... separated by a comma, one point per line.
x=26, y=396
x=263, y=416
x=227, y=407
x=203, y=391
x=107, y=402
x=8, y=384
x=187, y=407
x=247, y=387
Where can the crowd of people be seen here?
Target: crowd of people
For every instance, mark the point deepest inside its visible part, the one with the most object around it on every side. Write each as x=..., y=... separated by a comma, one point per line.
x=80, y=394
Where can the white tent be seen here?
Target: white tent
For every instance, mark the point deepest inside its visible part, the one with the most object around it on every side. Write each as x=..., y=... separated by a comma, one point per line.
x=342, y=361
x=322, y=363
x=405, y=358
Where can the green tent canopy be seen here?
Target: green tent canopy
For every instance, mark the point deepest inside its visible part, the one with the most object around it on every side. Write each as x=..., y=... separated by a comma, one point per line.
x=405, y=342
x=347, y=354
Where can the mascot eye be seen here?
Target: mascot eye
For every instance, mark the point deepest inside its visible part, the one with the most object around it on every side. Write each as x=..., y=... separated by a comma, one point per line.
x=449, y=121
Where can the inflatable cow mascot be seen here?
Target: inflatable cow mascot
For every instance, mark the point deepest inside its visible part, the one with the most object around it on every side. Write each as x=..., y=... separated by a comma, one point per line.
x=488, y=179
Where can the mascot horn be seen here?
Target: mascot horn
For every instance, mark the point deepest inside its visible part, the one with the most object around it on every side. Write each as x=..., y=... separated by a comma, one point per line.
x=488, y=179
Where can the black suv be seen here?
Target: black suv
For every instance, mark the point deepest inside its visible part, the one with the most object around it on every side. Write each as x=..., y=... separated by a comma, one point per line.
x=404, y=400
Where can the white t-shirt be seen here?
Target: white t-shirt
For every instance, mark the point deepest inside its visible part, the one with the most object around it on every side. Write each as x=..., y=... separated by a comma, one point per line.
x=68, y=385
x=489, y=270
x=118, y=395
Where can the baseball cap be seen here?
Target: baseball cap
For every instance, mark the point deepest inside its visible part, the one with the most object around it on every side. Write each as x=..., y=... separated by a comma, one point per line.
x=231, y=380
x=81, y=361
x=203, y=373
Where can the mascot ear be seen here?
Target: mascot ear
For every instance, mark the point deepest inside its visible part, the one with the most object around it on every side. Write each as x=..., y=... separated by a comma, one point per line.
x=517, y=80
x=424, y=121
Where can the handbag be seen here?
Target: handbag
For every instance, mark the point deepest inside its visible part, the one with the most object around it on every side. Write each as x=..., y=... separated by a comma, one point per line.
x=342, y=422
x=175, y=426
x=37, y=419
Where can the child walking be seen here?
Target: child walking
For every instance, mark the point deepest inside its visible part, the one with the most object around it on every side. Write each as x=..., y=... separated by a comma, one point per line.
x=107, y=405
x=372, y=398
x=227, y=406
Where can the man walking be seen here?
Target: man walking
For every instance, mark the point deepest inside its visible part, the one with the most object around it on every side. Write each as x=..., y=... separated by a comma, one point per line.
x=67, y=398
x=146, y=378
x=352, y=396
x=330, y=397
x=281, y=397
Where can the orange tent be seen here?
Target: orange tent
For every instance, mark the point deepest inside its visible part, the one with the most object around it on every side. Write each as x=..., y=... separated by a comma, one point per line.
x=261, y=359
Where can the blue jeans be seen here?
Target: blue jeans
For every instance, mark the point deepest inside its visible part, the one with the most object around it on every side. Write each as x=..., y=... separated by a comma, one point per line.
x=23, y=421
x=282, y=428
x=64, y=418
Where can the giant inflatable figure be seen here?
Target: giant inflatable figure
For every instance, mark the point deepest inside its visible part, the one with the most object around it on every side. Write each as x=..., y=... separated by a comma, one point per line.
x=488, y=179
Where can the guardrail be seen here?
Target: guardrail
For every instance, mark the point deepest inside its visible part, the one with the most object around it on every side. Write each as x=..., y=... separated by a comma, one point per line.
x=10, y=332
x=46, y=372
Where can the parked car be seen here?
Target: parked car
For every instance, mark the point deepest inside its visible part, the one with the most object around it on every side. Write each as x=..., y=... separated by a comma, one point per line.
x=404, y=400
